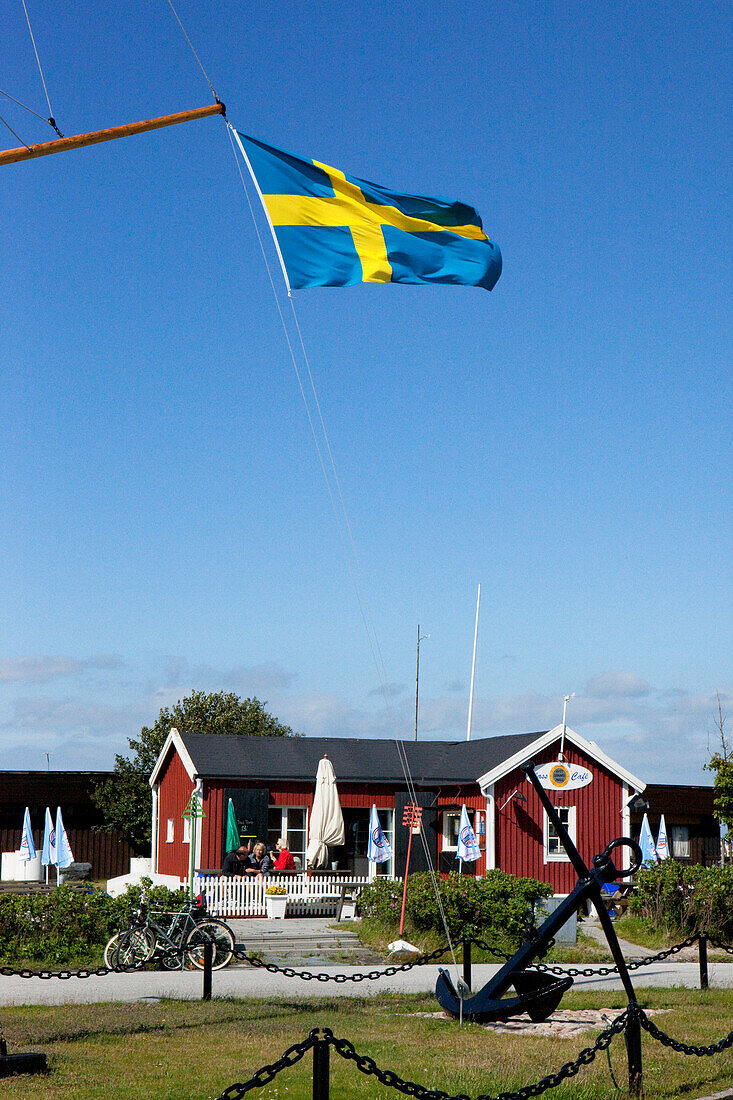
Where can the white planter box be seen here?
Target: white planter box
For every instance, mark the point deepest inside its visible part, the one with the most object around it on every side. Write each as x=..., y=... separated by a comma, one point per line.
x=276, y=905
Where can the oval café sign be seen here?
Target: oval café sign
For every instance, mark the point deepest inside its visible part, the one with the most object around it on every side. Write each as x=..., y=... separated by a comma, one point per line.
x=557, y=776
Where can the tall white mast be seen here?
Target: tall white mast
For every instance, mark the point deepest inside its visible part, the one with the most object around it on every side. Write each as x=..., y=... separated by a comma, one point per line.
x=473, y=667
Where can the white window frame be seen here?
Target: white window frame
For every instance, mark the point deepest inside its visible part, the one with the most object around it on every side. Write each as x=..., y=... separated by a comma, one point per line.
x=561, y=856
x=170, y=830
x=284, y=811
x=448, y=846
x=387, y=866
x=187, y=830
x=679, y=848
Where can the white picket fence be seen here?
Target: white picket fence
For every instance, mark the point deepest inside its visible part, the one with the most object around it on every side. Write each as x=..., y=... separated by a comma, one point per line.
x=245, y=896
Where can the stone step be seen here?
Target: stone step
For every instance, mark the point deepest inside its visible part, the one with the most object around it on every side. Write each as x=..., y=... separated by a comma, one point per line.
x=300, y=943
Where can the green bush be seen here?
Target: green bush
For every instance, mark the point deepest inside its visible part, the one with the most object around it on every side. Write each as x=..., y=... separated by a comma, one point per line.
x=495, y=907
x=680, y=898
x=67, y=924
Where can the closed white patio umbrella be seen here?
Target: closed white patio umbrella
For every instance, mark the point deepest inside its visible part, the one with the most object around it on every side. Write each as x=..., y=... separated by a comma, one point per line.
x=326, y=826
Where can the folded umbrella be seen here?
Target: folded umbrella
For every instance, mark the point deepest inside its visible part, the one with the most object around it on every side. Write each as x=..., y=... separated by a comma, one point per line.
x=326, y=825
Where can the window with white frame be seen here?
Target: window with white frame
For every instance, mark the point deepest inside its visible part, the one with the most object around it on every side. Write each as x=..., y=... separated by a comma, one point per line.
x=386, y=820
x=451, y=828
x=679, y=836
x=554, y=850
x=291, y=823
x=170, y=831
x=187, y=830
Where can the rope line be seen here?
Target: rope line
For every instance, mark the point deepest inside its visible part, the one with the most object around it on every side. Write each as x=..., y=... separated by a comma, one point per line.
x=51, y=119
x=12, y=131
x=193, y=51
x=23, y=105
x=343, y=524
x=340, y=515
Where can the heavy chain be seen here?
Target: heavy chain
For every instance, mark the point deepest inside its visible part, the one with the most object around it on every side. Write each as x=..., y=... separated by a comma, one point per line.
x=675, y=1044
x=391, y=1079
x=64, y=975
x=263, y=1076
x=603, y=971
x=309, y=976
x=716, y=943
x=484, y=946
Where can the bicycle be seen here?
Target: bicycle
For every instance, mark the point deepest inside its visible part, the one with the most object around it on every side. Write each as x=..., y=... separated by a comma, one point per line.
x=188, y=931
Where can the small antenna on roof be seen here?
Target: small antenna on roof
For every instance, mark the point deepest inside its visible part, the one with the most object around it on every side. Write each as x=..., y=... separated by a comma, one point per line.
x=566, y=699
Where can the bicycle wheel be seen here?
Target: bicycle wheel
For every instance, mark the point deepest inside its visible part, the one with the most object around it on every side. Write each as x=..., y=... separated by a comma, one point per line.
x=216, y=933
x=110, y=951
x=134, y=948
x=170, y=958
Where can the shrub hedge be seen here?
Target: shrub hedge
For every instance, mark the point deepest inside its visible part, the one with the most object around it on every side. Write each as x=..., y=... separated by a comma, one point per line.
x=496, y=906
x=68, y=924
x=680, y=898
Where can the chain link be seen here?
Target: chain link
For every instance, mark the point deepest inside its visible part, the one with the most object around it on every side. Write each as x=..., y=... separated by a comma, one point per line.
x=716, y=943
x=390, y=1079
x=268, y=1073
x=339, y=979
x=675, y=1044
x=604, y=971
x=372, y=975
x=64, y=975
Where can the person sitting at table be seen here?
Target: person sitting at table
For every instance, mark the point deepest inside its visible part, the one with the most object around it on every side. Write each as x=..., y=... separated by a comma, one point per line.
x=259, y=862
x=283, y=860
x=235, y=862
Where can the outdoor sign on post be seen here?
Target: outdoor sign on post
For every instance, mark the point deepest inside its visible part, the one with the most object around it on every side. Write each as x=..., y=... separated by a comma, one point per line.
x=194, y=812
x=412, y=820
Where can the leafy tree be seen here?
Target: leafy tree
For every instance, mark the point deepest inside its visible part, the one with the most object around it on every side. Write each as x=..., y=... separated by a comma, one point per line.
x=722, y=764
x=125, y=799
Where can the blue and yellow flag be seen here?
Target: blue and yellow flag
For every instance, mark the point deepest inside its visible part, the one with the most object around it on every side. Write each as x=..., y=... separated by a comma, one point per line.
x=336, y=230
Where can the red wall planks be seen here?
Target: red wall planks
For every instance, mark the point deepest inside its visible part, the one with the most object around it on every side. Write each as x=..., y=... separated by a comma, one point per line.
x=520, y=825
x=175, y=791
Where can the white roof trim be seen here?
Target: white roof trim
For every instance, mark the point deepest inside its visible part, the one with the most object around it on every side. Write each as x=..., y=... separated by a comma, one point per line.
x=174, y=738
x=588, y=747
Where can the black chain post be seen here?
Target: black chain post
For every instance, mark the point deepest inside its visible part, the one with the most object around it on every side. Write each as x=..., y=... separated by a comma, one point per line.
x=633, y=1050
x=321, y=1065
x=703, y=947
x=467, y=962
x=208, y=966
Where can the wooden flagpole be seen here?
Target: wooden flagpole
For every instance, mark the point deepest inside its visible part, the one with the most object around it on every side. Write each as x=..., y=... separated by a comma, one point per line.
x=77, y=141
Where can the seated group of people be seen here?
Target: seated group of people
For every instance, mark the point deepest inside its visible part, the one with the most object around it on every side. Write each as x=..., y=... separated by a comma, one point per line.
x=255, y=859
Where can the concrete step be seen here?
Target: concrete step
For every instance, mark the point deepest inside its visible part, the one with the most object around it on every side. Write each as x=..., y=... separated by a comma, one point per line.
x=300, y=941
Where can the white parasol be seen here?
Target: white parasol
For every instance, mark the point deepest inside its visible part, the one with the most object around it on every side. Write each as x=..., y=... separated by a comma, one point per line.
x=326, y=825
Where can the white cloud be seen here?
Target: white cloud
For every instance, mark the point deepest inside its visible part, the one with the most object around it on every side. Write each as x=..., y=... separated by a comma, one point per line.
x=182, y=677
x=607, y=685
x=41, y=670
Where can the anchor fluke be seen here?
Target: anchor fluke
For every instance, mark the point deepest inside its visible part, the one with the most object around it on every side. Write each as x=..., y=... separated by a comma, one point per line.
x=541, y=992
x=539, y=996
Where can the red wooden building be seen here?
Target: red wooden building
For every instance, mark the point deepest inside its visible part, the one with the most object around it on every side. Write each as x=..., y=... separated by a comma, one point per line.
x=271, y=782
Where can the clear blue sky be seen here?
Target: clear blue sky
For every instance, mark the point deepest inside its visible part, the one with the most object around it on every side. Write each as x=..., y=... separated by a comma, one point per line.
x=565, y=440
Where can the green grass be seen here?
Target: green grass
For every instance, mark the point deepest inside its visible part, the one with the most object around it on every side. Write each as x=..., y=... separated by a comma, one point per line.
x=376, y=936
x=176, y=1050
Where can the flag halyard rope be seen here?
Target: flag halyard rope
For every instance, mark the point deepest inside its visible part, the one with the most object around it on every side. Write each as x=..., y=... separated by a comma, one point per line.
x=51, y=120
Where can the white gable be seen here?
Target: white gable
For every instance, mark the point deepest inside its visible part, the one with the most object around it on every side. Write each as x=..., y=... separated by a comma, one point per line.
x=543, y=741
x=174, y=738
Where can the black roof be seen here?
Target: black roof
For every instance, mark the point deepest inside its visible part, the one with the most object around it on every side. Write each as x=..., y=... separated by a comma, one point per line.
x=221, y=756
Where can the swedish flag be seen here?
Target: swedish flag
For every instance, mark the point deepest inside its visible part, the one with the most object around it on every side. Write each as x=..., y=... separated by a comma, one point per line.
x=336, y=230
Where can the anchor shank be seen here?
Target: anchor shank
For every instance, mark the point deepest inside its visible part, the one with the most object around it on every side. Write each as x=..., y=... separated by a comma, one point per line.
x=524, y=955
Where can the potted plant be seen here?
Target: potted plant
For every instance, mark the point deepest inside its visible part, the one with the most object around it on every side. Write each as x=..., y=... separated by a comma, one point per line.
x=276, y=900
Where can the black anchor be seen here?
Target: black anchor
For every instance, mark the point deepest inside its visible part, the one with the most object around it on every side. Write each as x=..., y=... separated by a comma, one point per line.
x=539, y=993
